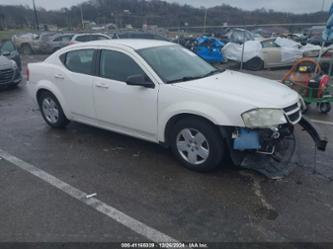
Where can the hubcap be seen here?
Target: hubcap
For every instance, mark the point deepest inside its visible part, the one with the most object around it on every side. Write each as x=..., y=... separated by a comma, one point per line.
x=50, y=110
x=192, y=145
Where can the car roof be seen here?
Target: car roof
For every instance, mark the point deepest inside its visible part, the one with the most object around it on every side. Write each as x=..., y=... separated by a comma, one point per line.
x=135, y=44
x=83, y=34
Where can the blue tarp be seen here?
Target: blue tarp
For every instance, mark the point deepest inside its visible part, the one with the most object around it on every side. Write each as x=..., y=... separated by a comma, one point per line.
x=210, y=49
x=328, y=32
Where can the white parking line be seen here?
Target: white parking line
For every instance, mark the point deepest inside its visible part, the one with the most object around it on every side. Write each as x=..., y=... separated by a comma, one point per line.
x=113, y=213
x=322, y=122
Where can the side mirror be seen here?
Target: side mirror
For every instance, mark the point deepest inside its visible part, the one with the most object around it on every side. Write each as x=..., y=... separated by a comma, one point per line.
x=140, y=80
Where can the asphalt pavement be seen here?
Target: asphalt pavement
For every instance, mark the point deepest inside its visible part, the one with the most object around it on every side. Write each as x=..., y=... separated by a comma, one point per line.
x=142, y=192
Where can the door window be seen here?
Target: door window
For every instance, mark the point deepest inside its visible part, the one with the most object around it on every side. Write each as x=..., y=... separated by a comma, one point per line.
x=98, y=37
x=269, y=44
x=7, y=46
x=118, y=66
x=83, y=38
x=63, y=38
x=80, y=61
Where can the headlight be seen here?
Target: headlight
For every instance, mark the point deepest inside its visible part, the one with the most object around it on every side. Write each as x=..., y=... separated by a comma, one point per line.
x=14, y=64
x=264, y=118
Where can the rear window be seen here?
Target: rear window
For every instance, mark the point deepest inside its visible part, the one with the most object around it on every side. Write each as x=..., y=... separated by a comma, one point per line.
x=79, y=61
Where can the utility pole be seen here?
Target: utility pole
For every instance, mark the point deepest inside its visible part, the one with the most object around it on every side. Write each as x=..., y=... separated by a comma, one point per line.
x=323, y=6
x=205, y=20
x=35, y=15
x=82, y=19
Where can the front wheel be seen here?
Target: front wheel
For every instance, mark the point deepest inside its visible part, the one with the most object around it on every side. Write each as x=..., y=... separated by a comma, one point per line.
x=52, y=111
x=325, y=107
x=197, y=144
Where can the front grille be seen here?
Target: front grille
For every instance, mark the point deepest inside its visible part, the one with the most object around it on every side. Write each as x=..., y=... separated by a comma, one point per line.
x=6, y=76
x=294, y=117
x=293, y=113
x=290, y=108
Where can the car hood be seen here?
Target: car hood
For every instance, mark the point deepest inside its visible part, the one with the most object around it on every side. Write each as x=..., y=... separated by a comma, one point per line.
x=5, y=63
x=255, y=91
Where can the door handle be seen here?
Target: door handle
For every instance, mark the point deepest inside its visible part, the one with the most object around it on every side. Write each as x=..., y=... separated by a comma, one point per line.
x=102, y=86
x=59, y=76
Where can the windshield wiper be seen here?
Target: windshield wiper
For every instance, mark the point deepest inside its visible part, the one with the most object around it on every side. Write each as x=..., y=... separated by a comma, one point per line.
x=216, y=71
x=186, y=78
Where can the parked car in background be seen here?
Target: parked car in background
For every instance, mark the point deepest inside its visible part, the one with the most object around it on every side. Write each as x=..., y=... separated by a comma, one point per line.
x=315, y=36
x=267, y=53
x=238, y=36
x=30, y=43
x=298, y=37
x=138, y=35
x=163, y=93
x=209, y=49
x=9, y=50
x=10, y=73
x=59, y=41
x=87, y=37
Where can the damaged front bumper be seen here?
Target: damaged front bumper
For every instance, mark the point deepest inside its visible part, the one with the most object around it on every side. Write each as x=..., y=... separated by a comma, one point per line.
x=268, y=151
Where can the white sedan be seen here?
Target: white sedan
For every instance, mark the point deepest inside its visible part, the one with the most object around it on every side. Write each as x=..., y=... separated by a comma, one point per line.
x=161, y=92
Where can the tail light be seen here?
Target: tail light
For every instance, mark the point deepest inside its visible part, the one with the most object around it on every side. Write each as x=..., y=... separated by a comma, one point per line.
x=27, y=73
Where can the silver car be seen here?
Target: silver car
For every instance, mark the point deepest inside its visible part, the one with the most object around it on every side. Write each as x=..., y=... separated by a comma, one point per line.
x=10, y=74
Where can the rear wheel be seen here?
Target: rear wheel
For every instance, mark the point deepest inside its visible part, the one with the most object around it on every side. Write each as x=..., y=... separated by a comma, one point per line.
x=197, y=144
x=52, y=111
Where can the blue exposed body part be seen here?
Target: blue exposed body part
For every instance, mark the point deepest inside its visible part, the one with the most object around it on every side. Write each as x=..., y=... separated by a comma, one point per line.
x=210, y=49
x=247, y=140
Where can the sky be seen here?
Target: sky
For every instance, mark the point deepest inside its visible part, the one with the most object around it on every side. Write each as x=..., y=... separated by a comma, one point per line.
x=295, y=6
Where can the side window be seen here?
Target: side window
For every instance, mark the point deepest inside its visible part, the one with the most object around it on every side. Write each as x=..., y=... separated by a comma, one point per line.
x=80, y=61
x=83, y=38
x=66, y=38
x=269, y=44
x=118, y=66
x=57, y=39
x=100, y=37
x=7, y=46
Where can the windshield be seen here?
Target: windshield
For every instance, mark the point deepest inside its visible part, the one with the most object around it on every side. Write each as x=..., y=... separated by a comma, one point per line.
x=176, y=64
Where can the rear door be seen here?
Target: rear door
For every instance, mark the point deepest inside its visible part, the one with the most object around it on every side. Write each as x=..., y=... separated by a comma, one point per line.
x=76, y=82
x=271, y=53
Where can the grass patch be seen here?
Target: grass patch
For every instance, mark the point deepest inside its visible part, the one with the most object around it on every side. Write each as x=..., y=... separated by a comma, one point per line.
x=7, y=34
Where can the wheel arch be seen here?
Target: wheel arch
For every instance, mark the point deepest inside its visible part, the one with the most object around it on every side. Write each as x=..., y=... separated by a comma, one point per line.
x=44, y=87
x=176, y=118
x=23, y=44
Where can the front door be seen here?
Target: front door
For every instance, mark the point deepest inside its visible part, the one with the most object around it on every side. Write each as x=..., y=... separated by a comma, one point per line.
x=127, y=109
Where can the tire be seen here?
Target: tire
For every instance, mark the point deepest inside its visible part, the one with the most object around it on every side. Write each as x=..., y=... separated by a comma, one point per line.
x=254, y=64
x=197, y=144
x=26, y=49
x=52, y=111
x=324, y=107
